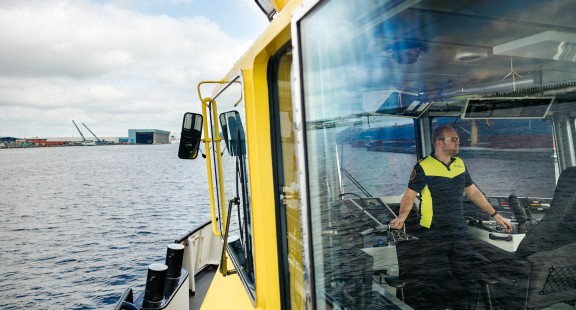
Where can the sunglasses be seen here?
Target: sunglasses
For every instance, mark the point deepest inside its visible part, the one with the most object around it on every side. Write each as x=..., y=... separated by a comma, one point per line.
x=454, y=139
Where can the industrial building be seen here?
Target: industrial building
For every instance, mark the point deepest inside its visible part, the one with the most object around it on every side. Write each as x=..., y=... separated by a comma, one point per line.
x=148, y=136
x=135, y=136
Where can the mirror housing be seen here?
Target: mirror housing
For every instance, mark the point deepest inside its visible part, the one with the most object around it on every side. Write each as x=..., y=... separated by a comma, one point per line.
x=233, y=133
x=190, y=136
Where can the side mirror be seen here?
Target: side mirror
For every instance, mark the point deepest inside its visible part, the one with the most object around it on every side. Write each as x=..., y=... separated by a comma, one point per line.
x=190, y=136
x=233, y=133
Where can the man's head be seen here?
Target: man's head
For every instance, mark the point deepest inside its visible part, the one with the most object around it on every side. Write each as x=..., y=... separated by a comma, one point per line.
x=445, y=140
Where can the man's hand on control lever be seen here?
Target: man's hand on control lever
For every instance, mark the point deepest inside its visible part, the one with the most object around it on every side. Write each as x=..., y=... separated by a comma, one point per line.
x=504, y=222
x=397, y=223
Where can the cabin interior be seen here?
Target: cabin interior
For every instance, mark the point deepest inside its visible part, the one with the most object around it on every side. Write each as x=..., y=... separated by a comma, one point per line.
x=373, y=80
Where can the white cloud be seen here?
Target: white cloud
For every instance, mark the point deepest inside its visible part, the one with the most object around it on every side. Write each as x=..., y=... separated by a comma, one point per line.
x=101, y=63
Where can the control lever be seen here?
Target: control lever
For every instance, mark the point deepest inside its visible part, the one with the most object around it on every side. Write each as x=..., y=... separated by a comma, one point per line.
x=519, y=212
x=505, y=238
x=529, y=216
x=377, y=229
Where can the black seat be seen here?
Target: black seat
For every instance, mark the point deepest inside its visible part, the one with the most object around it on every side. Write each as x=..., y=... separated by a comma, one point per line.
x=557, y=227
x=542, y=272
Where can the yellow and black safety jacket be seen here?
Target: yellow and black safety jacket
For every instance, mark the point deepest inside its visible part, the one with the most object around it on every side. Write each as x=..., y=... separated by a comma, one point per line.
x=441, y=188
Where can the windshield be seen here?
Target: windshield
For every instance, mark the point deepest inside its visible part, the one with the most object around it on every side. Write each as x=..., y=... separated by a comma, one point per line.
x=378, y=76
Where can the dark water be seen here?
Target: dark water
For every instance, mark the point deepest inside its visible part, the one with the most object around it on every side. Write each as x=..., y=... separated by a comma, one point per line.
x=387, y=174
x=81, y=224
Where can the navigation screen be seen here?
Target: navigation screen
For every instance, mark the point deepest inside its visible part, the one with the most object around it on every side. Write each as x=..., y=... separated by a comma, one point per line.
x=507, y=107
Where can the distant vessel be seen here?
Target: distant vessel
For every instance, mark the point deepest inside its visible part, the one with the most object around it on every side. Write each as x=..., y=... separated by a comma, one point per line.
x=477, y=138
x=173, y=139
x=89, y=143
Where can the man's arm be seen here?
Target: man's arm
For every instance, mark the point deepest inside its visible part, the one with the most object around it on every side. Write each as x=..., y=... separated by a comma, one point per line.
x=474, y=193
x=406, y=205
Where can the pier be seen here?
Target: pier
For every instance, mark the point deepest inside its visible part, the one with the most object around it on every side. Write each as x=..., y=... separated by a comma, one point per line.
x=9, y=142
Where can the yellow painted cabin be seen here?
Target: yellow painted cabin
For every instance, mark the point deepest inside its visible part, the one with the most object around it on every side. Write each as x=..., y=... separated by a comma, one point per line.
x=310, y=139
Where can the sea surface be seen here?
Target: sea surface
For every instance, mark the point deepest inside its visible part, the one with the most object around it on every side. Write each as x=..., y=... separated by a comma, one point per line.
x=79, y=225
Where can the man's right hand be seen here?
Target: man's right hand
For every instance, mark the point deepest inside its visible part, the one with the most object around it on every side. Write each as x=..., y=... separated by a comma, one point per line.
x=397, y=223
x=406, y=204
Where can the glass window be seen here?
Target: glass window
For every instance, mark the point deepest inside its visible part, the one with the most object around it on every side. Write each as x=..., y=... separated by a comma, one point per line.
x=502, y=147
x=376, y=78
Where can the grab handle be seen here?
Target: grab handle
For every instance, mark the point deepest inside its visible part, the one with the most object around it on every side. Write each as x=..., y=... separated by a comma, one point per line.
x=502, y=238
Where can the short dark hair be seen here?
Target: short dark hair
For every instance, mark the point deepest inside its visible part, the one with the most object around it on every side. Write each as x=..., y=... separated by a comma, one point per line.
x=438, y=132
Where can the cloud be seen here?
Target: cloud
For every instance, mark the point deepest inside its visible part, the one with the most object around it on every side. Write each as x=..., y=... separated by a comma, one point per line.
x=75, y=59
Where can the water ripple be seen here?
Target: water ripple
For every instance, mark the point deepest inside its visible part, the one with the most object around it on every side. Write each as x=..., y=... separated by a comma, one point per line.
x=81, y=224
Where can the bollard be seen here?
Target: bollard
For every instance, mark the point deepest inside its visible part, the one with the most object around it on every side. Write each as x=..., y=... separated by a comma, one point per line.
x=174, y=257
x=155, y=282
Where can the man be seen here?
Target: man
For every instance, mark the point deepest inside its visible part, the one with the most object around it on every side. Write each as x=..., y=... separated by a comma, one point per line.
x=443, y=249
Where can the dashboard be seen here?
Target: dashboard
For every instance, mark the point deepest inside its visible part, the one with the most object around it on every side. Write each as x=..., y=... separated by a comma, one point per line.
x=522, y=212
x=534, y=208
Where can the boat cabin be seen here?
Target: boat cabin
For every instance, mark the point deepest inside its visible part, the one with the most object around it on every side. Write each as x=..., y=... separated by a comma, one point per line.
x=311, y=139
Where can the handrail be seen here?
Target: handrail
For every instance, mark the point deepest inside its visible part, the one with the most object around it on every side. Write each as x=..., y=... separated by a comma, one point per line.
x=210, y=102
x=221, y=83
x=207, y=140
x=129, y=306
x=126, y=300
x=193, y=231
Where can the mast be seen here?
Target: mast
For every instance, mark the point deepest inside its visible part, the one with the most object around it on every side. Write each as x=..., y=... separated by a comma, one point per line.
x=91, y=132
x=83, y=139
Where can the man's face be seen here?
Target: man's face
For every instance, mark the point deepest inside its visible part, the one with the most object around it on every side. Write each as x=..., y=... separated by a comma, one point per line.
x=451, y=143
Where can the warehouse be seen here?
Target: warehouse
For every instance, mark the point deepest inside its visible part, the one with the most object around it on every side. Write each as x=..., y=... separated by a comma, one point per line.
x=148, y=136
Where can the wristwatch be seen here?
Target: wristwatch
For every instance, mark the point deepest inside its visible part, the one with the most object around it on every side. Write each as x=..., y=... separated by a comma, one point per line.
x=494, y=214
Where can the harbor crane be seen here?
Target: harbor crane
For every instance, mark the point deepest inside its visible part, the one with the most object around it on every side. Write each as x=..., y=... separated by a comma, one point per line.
x=97, y=139
x=84, y=141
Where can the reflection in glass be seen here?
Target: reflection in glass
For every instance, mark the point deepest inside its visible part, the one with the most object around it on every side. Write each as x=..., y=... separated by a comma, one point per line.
x=378, y=76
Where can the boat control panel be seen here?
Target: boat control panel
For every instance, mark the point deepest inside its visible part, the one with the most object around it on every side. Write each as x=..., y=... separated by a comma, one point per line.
x=517, y=210
x=522, y=212
x=369, y=218
x=360, y=246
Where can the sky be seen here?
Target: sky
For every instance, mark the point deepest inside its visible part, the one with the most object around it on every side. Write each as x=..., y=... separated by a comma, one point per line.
x=114, y=65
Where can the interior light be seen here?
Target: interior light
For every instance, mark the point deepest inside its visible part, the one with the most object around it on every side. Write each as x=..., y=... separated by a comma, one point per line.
x=553, y=45
x=470, y=56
